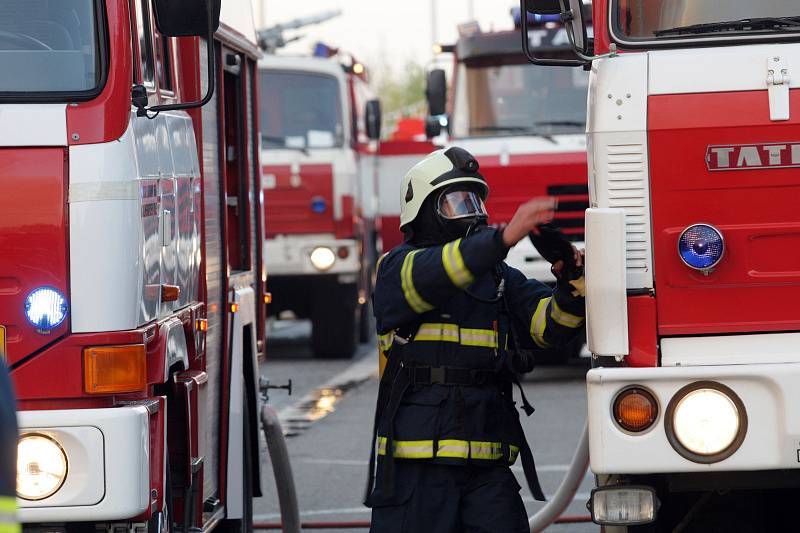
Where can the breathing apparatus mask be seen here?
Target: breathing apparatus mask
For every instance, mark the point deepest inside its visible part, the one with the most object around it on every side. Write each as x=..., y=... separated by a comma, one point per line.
x=460, y=211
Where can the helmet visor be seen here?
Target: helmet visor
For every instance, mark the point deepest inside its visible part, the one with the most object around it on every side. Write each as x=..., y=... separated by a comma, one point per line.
x=461, y=204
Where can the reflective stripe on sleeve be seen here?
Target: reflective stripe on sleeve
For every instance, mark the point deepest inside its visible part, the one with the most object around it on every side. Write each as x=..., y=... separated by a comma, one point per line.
x=454, y=265
x=8, y=518
x=449, y=448
x=385, y=341
x=415, y=301
x=538, y=322
x=567, y=320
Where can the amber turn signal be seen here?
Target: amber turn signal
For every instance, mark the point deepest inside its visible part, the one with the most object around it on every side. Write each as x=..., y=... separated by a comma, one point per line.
x=234, y=308
x=114, y=369
x=201, y=324
x=635, y=409
x=267, y=297
x=170, y=293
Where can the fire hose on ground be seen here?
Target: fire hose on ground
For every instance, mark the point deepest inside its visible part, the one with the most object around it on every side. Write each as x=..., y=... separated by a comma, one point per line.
x=551, y=513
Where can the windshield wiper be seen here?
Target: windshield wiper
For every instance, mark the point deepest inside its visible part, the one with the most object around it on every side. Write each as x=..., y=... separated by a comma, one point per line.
x=577, y=123
x=516, y=129
x=762, y=23
x=281, y=141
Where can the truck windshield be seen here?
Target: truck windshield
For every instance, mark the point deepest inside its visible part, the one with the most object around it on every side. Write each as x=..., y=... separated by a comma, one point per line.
x=300, y=110
x=654, y=19
x=48, y=46
x=519, y=99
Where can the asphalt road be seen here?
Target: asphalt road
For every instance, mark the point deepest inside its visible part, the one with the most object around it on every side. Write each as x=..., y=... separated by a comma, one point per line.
x=329, y=422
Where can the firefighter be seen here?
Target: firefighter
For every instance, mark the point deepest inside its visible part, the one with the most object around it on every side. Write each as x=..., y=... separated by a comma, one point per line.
x=458, y=325
x=8, y=453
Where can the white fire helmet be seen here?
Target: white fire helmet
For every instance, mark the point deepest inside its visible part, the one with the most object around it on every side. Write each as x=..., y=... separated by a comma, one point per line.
x=437, y=170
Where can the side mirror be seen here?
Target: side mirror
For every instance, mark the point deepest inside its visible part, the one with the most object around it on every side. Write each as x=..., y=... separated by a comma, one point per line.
x=186, y=18
x=543, y=7
x=436, y=92
x=372, y=119
x=433, y=127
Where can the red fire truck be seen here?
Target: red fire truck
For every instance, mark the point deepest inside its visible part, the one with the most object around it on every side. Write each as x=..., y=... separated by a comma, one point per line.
x=318, y=187
x=524, y=123
x=693, y=268
x=131, y=292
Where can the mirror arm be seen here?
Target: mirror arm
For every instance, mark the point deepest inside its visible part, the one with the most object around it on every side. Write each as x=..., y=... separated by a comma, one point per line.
x=568, y=16
x=530, y=53
x=212, y=81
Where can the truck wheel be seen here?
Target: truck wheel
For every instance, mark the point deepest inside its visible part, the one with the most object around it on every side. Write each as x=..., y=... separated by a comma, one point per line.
x=244, y=524
x=334, y=325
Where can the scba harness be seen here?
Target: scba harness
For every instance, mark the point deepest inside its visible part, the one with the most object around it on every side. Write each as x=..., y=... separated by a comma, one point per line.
x=399, y=375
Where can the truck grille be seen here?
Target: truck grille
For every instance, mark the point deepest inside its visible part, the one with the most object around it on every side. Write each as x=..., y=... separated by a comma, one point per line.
x=627, y=190
x=573, y=200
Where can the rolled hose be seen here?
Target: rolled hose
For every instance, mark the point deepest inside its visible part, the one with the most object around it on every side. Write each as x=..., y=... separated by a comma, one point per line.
x=282, y=470
x=548, y=514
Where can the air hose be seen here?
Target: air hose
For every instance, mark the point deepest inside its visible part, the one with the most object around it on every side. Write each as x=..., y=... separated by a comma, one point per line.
x=548, y=514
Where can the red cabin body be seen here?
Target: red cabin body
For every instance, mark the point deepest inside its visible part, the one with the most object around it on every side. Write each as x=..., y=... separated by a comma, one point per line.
x=131, y=291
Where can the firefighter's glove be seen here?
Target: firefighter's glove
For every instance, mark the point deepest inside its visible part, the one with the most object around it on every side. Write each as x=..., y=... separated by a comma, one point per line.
x=522, y=360
x=566, y=260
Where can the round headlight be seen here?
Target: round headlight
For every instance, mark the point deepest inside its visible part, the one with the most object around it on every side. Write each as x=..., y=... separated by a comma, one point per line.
x=45, y=308
x=41, y=467
x=701, y=246
x=707, y=420
x=322, y=258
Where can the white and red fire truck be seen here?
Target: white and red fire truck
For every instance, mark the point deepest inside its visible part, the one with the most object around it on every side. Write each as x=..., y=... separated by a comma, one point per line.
x=317, y=183
x=131, y=292
x=525, y=124
x=693, y=270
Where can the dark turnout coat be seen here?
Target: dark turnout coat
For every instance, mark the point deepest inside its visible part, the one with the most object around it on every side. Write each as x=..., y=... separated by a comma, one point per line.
x=455, y=348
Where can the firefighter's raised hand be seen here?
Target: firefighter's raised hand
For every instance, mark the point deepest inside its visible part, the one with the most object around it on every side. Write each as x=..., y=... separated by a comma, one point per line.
x=529, y=215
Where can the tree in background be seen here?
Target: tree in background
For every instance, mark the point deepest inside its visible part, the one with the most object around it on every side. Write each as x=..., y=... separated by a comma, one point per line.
x=402, y=93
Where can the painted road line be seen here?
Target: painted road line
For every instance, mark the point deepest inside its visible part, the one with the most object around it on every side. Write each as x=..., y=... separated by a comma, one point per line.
x=321, y=401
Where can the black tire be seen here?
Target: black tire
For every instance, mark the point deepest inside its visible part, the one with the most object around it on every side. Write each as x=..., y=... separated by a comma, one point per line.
x=244, y=524
x=334, y=325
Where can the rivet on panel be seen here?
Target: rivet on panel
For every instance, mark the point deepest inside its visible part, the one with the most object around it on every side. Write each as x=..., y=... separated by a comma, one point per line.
x=619, y=117
x=628, y=95
x=610, y=96
x=619, y=102
x=75, y=137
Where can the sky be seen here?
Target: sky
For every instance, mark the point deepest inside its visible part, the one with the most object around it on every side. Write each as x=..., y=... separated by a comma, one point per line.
x=381, y=30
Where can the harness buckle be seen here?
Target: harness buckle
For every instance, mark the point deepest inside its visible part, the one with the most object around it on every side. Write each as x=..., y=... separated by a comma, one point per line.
x=438, y=374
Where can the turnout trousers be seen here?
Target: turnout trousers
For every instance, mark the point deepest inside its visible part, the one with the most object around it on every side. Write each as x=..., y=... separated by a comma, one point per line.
x=436, y=498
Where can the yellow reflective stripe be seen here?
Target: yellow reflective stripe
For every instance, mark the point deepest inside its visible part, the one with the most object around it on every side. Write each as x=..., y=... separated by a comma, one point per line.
x=567, y=320
x=451, y=333
x=458, y=449
x=448, y=448
x=454, y=265
x=379, y=261
x=413, y=298
x=538, y=322
x=479, y=337
x=513, y=451
x=385, y=341
x=486, y=450
x=8, y=504
x=437, y=332
x=408, y=449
